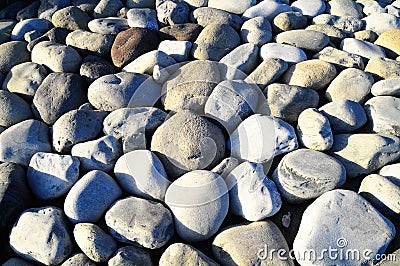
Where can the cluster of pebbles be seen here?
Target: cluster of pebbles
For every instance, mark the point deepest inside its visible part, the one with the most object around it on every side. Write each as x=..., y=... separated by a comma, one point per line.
x=195, y=132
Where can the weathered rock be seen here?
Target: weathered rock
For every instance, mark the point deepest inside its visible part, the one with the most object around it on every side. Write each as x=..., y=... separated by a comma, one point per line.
x=248, y=54
x=78, y=259
x=130, y=255
x=381, y=22
x=178, y=50
x=365, y=35
x=268, y=9
x=71, y=18
x=362, y=48
x=387, y=87
x=14, y=109
x=335, y=35
x=383, y=68
x=225, y=166
x=94, y=67
x=56, y=34
x=145, y=63
x=267, y=72
x=288, y=53
x=142, y=18
x=257, y=31
x=90, y=42
x=109, y=25
x=308, y=40
x=142, y=222
x=344, y=8
x=107, y=8
x=205, y=16
x=198, y=215
x=48, y=8
x=383, y=114
x=37, y=25
x=183, y=254
x=12, y=54
x=183, y=32
x=287, y=21
x=170, y=12
x=340, y=59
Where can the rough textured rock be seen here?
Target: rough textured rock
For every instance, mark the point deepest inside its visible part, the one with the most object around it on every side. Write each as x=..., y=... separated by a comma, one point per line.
x=12, y=54
x=183, y=32
x=90, y=42
x=257, y=31
x=344, y=8
x=14, y=109
x=141, y=222
x=289, y=21
x=130, y=255
x=199, y=215
x=205, y=16
x=340, y=59
x=109, y=25
x=387, y=87
x=70, y=18
x=381, y=22
x=267, y=72
x=383, y=68
x=308, y=40
x=142, y=18
x=94, y=67
x=248, y=54
x=170, y=12
x=78, y=259
x=383, y=114
x=183, y=254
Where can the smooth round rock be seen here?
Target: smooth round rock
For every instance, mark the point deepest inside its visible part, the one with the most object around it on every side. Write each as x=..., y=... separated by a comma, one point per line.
x=178, y=50
x=381, y=22
x=51, y=175
x=249, y=60
x=344, y=8
x=231, y=102
x=288, y=53
x=287, y=102
x=183, y=254
x=309, y=8
x=287, y=21
x=214, y=42
x=90, y=197
x=260, y=137
x=364, y=153
x=236, y=7
x=308, y=40
x=335, y=35
x=306, y=174
x=14, y=109
x=383, y=114
x=257, y=31
x=21, y=141
x=130, y=256
x=387, y=87
x=100, y=154
x=252, y=194
x=391, y=171
x=362, y=48
x=70, y=18
x=201, y=212
x=57, y=57
x=170, y=12
x=107, y=8
x=76, y=126
x=314, y=74
x=145, y=63
x=140, y=222
x=351, y=84
x=314, y=130
x=94, y=67
x=267, y=72
x=16, y=262
x=268, y=9
x=183, y=32
x=11, y=54
x=114, y=91
x=205, y=16
x=24, y=79
x=142, y=18
x=41, y=235
x=78, y=259
x=15, y=195
x=132, y=43
x=109, y=25
x=187, y=142
x=339, y=58
x=38, y=25
x=94, y=242
x=383, y=68
x=244, y=244
x=58, y=94
x=346, y=222
x=90, y=42
x=390, y=40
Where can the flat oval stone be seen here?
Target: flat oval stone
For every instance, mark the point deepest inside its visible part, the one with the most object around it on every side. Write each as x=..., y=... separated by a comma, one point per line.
x=306, y=174
x=24, y=79
x=288, y=53
x=351, y=84
x=267, y=72
x=142, y=18
x=364, y=153
x=57, y=57
x=387, y=87
x=11, y=54
x=130, y=255
x=145, y=63
x=76, y=126
x=344, y=8
x=335, y=35
x=344, y=115
x=58, y=94
x=38, y=25
x=183, y=32
x=94, y=242
x=348, y=222
x=90, y=197
x=180, y=254
x=252, y=194
x=305, y=39
x=314, y=74
x=260, y=137
x=383, y=114
x=244, y=244
x=90, y=42
x=288, y=21
x=141, y=222
x=52, y=175
x=383, y=68
x=107, y=8
x=14, y=109
x=314, y=130
x=70, y=18
x=257, y=31
x=201, y=212
x=232, y=6
x=110, y=25
x=268, y=9
x=100, y=154
x=362, y=48
x=21, y=141
x=340, y=59
x=381, y=22
x=114, y=91
x=142, y=174
x=287, y=102
x=30, y=236
x=309, y=8
x=391, y=171
x=390, y=41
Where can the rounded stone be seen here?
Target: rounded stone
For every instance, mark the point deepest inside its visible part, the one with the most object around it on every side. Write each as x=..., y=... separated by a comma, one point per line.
x=11, y=54
x=187, y=142
x=257, y=31
x=339, y=58
x=78, y=259
x=145, y=63
x=90, y=42
x=142, y=18
x=21, y=141
x=241, y=244
x=51, y=175
x=201, y=212
x=41, y=235
x=57, y=57
x=131, y=44
x=94, y=67
x=335, y=35
x=386, y=87
x=268, y=9
x=381, y=22
x=130, y=255
x=267, y=72
x=362, y=48
x=170, y=12
x=94, y=242
x=70, y=18
x=306, y=174
x=24, y=79
x=390, y=40
x=183, y=32
x=58, y=94
x=344, y=8
x=90, y=197
x=37, y=25
x=183, y=254
x=314, y=74
x=109, y=25
x=107, y=8
x=236, y=7
x=287, y=21
x=14, y=109
x=252, y=194
x=288, y=53
x=205, y=16
x=287, y=102
x=383, y=114
x=309, y=8
x=214, y=42
x=140, y=222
